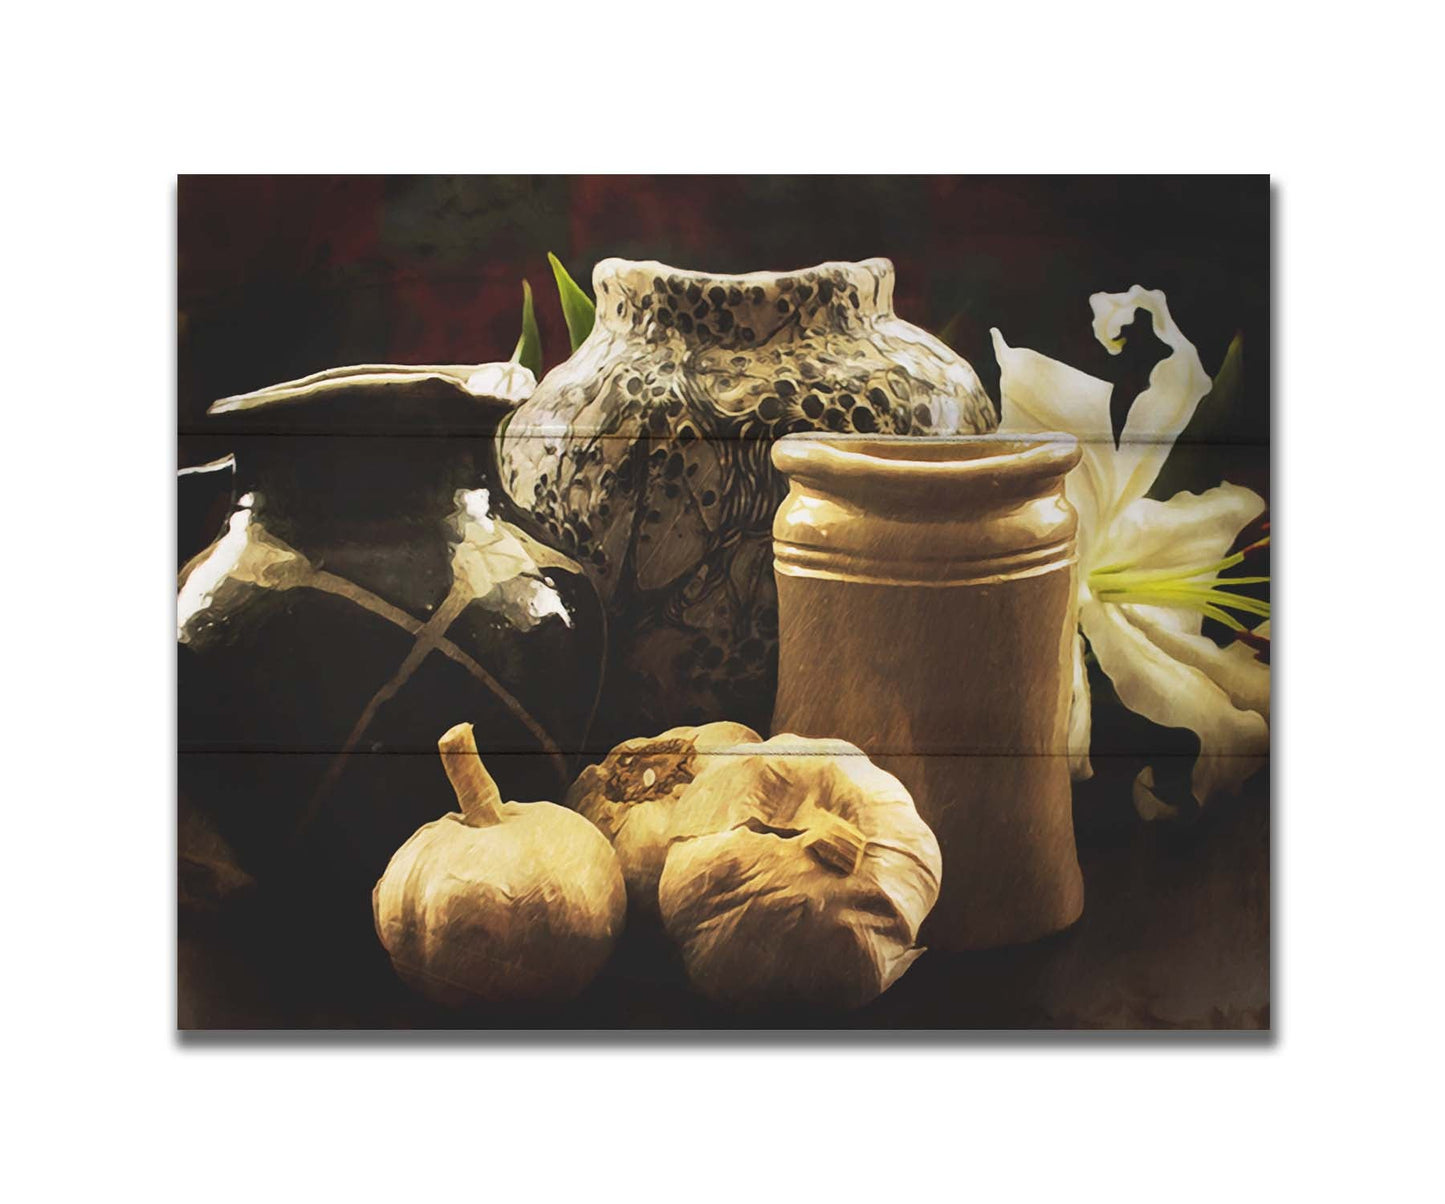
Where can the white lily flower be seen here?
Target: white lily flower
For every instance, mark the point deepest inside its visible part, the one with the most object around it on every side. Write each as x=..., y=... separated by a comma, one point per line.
x=1149, y=571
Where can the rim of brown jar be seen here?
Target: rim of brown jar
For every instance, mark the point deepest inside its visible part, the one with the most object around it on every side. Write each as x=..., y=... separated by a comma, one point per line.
x=918, y=472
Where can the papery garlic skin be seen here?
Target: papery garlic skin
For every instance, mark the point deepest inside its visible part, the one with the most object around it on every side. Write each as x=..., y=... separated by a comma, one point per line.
x=761, y=917
x=500, y=902
x=632, y=796
x=526, y=910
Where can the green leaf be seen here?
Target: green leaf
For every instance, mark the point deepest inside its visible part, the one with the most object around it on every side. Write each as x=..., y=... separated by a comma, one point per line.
x=1230, y=377
x=529, y=343
x=577, y=307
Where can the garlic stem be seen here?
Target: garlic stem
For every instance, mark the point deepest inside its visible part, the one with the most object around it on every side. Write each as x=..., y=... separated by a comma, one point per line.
x=836, y=845
x=480, y=799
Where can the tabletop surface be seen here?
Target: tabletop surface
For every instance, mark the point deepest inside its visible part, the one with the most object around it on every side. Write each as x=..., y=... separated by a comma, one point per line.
x=1175, y=935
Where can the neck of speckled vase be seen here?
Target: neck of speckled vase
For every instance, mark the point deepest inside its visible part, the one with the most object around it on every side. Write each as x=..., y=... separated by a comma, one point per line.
x=651, y=300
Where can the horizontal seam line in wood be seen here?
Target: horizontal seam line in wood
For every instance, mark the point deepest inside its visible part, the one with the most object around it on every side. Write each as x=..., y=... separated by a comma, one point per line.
x=744, y=751
x=639, y=437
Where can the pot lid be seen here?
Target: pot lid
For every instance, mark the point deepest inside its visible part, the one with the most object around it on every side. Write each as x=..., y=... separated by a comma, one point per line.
x=381, y=399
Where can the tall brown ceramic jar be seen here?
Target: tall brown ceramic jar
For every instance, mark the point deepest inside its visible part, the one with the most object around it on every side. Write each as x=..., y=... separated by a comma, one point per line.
x=926, y=599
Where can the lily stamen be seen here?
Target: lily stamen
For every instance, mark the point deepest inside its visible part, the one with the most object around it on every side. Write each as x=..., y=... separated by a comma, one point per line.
x=1203, y=588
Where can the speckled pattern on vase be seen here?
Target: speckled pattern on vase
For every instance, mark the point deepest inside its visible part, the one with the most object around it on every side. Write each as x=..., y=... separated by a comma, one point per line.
x=645, y=456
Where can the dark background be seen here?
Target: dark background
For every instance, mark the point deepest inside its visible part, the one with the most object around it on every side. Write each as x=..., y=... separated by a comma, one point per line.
x=282, y=276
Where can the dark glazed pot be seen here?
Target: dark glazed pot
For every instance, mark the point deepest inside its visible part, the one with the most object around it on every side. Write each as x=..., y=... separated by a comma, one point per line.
x=369, y=591
x=927, y=602
x=645, y=456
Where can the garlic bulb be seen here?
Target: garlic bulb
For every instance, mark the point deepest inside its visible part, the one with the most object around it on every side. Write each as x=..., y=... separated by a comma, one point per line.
x=503, y=902
x=816, y=895
x=632, y=796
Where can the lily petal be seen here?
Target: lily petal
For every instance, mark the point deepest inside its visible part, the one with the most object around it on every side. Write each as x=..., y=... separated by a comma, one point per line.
x=1188, y=529
x=1176, y=386
x=1148, y=804
x=1153, y=683
x=1235, y=669
x=1041, y=395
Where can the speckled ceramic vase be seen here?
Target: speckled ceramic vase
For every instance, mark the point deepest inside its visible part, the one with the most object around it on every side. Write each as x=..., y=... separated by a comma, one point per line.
x=926, y=593
x=645, y=456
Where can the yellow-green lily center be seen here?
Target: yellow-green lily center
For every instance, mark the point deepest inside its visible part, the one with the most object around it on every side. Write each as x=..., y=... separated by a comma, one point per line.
x=1203, y=588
